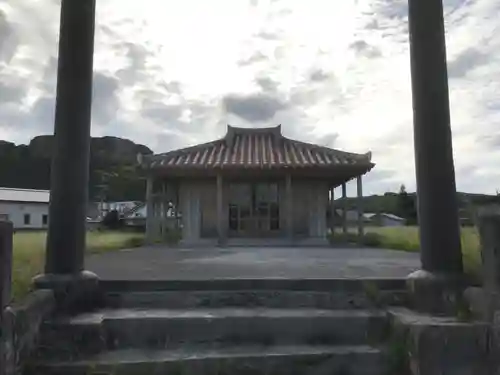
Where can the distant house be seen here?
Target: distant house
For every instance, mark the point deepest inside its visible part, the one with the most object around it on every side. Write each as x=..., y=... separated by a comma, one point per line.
x=25, y=208
x=351, y=217
x=383, y=219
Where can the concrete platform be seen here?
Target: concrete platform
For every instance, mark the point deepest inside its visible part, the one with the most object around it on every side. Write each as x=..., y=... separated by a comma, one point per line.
x=163, y=263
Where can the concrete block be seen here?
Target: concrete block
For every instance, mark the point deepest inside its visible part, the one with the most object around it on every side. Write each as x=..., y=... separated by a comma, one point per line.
x=20, y=329
x=442, y=345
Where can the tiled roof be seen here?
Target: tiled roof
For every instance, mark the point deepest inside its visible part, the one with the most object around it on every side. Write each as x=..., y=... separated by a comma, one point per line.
x=24, y=195
x=256, y=148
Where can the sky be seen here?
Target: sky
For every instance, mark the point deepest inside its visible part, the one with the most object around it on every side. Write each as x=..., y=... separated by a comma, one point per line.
x=170, y=74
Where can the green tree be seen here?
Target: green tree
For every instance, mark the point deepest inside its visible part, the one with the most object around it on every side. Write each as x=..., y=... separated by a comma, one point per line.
x=406, y=206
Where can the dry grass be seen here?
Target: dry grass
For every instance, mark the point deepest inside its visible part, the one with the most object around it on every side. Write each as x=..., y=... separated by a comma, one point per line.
x=406, y=239
x=29, y=254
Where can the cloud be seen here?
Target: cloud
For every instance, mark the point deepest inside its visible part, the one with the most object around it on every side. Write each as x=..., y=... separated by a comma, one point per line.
x=253, y=108
x=8, y=42
x=491, y=140
x=135, y=70
x=392, y=10
x=328, y=140
x=267, y=84
x=105, y=100
x=49, y=77
x=466, y=61
x=333, y=73
x=44, y=112
x=362, y=48
x=318, y=75
x=10, y=93
x=161, y=112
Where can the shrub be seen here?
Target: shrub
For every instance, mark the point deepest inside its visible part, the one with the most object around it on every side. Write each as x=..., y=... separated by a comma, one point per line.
x=372, y=240
x=341, y=238
x=369, y=239
x=172, y=236
x=134, y=242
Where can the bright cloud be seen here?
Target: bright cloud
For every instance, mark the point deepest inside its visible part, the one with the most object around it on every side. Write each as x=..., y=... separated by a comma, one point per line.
x=169, y=74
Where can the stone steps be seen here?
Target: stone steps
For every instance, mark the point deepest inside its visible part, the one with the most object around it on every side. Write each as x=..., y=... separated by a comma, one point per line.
x=244, y=360
x=248, y=298
x=112, y=329
x=258, y=284
x=272, y=293
x=224, y=326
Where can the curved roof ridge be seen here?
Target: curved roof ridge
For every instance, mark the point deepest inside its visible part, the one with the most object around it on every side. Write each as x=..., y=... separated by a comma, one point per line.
x=230, y=128
x=245, y=130
x=233, y=132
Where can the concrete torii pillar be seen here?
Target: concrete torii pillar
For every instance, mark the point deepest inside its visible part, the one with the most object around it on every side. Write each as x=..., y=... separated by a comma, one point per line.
x=70, y=162
x=441, y=256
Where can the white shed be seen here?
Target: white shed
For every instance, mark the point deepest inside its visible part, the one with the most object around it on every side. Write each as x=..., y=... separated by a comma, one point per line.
x=384, y=219
x=25, y=208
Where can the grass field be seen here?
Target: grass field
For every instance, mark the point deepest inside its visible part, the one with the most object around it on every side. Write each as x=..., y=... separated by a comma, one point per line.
x=29, y=254
x=29, y=249
x=406, y=239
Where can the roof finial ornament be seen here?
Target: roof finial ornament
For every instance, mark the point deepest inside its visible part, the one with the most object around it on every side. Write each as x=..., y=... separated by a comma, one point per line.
x=277, y=131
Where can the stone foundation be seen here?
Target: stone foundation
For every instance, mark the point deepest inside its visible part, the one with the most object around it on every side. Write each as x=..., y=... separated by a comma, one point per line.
x=430, y=345
x=20, y=329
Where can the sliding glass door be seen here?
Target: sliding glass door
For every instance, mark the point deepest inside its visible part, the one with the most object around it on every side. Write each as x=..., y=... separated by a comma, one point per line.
x=254, y=209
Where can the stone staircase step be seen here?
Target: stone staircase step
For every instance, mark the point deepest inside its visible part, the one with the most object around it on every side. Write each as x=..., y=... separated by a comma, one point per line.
x=160, y=328
x=242, y=360
x=249, y=298
x=273, y=293
x=309, y=284
x=225, y=326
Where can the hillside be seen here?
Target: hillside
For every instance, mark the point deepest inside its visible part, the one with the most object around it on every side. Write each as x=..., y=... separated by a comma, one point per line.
x=112, y=166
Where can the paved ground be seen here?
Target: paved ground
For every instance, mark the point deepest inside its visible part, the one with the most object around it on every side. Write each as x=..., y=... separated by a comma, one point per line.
x=152, y=263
